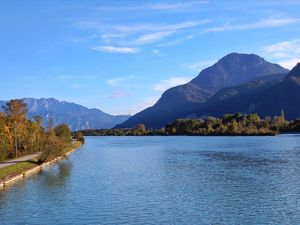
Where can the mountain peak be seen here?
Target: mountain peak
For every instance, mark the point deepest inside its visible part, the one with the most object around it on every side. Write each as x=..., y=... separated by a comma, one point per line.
x=295, y=72
x=244, y=59
x=234, y=69
x=239, y=56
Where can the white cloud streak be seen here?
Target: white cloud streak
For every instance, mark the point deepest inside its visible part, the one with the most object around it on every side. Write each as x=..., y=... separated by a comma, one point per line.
x=124, y=39
x=287, y=53
x=284, y=49
x=120, y=80
x=122, y=30
x=116, y=49
x=152, y=37
x=264, y=23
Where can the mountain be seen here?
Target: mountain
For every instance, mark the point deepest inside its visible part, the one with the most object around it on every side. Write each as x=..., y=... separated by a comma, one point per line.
x=233, y=69
x=76, y=116
x=266, y=98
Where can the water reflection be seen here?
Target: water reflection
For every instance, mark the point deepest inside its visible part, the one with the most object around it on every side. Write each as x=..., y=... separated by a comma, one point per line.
x=57, y=175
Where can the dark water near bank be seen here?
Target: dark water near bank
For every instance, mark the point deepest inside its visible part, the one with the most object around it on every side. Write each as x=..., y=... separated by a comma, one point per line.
x=164, y=180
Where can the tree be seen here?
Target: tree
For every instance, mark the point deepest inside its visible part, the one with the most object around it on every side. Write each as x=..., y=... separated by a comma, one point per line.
x=34, y=133
x=79, y=136
x=281, y=119
x=173, y=130
x=19, y=135
x=6, y=140
x=38, y=131
x=16, y=111
x=254, y=119
x=233, y=127
x=52, y=145
x=140, y=127
x=222, y=129
x=63, y=131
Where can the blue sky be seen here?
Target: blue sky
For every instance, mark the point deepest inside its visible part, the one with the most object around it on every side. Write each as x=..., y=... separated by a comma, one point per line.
x=119, y=56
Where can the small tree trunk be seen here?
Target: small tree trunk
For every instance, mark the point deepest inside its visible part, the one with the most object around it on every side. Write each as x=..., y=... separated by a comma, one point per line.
x=16, y=147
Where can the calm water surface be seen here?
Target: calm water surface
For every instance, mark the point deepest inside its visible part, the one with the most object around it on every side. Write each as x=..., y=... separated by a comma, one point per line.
x=164, y=180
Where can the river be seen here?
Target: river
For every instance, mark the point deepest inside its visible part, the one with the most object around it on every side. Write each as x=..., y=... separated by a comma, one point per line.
x=164, y=180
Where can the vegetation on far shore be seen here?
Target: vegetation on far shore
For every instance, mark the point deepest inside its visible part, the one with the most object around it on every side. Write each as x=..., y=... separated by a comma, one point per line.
x=228, y=124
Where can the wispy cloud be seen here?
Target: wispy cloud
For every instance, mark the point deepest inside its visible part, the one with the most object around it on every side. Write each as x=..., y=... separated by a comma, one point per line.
x=116, y=49
x=264, y=23
x=108, y=29
x=284, y=49
x=287, y=53
x=152, y=37
x=163, y=85
x=119, y=80
x=124, y=38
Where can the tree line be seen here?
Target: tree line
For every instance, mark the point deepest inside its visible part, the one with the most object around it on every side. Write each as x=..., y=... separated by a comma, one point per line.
x=228, y=124
x=20, y=136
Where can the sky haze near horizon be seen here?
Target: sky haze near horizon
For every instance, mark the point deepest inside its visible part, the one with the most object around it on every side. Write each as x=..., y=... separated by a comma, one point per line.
x=120, y=56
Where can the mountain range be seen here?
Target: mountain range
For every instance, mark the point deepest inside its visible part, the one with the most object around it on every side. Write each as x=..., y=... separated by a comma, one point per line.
x=76, y=116
x=246, y=74
x=243, y=83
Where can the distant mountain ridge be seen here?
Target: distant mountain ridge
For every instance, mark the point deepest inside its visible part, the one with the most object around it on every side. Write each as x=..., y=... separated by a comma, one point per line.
x=76, y=116
x=180, y=101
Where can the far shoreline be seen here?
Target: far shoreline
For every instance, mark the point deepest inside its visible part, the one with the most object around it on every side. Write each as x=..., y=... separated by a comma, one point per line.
x=212, y=135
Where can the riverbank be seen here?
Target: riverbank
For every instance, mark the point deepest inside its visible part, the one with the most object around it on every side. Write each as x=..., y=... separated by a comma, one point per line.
x=10, y=174
x=237, y=124
x=133, y=132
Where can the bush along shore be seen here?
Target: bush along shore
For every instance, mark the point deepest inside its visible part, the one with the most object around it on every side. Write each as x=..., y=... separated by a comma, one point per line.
x=21, y=137
x=227, y=125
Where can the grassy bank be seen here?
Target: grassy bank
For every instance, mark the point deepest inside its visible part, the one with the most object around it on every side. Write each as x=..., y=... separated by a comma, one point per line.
x=16, y=169
x=10, y=171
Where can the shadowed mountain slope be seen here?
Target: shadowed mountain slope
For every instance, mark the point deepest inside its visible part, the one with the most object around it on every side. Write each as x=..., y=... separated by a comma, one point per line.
x=264, y=98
